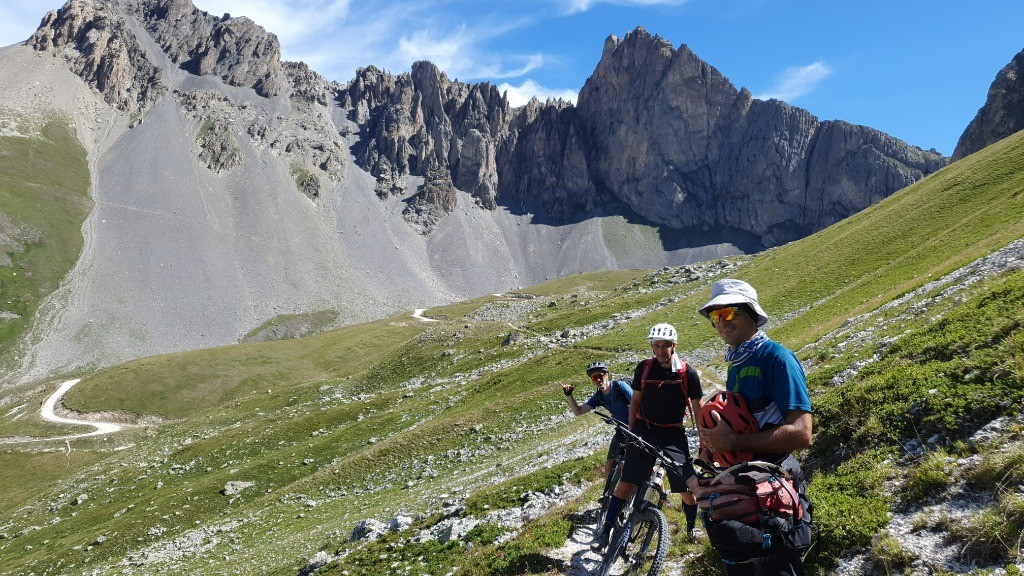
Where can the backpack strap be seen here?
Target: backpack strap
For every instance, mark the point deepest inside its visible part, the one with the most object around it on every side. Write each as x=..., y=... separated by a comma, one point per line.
x=643, y=375
x=617, y=385
x=684, y=384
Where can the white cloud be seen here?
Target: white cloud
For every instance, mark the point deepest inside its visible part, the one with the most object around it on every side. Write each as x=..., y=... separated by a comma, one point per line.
x=796, y=82
x=461, y=51
x=293, y=22
x=520, y=95
x=577, y=6
x=443, y=49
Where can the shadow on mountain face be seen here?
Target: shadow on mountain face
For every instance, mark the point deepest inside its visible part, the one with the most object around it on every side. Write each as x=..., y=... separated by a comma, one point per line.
x=675, y=241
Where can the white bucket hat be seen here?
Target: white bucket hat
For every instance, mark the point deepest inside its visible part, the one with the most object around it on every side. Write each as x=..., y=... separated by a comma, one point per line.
x=730, y=292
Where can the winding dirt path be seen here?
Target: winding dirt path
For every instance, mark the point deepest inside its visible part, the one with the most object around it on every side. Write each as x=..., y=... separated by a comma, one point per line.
x=418, y=314
x=46, y=412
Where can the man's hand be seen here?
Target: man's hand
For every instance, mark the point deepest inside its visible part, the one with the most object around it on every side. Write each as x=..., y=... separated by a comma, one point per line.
x=721, y=438
x=567, y=388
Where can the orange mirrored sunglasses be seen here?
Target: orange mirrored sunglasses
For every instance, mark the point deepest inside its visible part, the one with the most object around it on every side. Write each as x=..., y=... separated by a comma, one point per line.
x=720, y=314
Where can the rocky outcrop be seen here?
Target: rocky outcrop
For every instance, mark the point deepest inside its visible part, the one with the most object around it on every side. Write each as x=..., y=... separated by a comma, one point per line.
x=92, y=36
x=1002, y=114
x=235, y=49
x=416, y=122
x=307, y=85
x=211, y=113
x=434, y=200
x=656, y=132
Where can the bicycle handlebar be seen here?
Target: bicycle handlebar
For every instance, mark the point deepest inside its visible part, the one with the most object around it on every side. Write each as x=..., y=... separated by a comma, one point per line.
x=641, y=443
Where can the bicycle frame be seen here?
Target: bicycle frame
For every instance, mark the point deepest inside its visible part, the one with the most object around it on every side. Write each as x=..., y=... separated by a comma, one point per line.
x=660, y=458
x=641, y=520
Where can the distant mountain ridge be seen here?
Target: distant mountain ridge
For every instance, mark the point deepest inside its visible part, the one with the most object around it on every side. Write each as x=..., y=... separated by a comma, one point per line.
x=233, y=188
x=1002, y=114
x=656, y=130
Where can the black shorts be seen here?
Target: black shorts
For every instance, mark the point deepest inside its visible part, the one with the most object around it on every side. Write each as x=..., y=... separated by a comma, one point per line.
x=613, y=447
x=671, y=441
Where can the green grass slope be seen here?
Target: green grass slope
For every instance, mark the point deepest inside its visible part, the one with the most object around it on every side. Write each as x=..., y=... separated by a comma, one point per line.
x=44, y=198
x=405, y=416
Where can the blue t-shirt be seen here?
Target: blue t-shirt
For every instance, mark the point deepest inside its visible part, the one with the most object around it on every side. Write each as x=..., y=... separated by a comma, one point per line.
x=773, y=383
x=616, y=400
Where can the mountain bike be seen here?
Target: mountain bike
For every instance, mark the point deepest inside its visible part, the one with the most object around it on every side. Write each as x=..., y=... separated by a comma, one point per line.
x=640, y=536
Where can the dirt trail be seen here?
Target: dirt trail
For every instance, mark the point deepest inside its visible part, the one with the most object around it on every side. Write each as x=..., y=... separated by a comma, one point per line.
x=47, y=413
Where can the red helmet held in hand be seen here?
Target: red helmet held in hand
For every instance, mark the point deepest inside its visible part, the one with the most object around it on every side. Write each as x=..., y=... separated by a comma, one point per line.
x=733, y=410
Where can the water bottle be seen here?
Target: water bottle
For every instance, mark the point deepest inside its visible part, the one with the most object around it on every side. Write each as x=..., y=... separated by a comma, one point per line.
x=654, y=490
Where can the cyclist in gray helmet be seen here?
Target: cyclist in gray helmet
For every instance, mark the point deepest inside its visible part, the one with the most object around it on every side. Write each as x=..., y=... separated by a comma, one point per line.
x=615, y=395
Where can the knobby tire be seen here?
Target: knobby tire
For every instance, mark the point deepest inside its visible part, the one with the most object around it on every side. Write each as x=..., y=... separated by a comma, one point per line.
x=645, y=550
x=648, y=545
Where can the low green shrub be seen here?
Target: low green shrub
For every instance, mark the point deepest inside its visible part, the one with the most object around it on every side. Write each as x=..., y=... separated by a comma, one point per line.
x=508, y=494
x=942, y=379
x=888, y=555
x=522, y=555
x=849, y=508
x=928, y=479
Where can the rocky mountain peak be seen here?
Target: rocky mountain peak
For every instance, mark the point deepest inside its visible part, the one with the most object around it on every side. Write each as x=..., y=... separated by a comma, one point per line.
x=673, y=139
x=101, y=46
x=420, y=121
x=1002, y=114
x=237, y=49
x=656, y=131
x=92, y=36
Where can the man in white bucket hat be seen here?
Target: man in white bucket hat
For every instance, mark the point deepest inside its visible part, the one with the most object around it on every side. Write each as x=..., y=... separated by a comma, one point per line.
x=771, y=380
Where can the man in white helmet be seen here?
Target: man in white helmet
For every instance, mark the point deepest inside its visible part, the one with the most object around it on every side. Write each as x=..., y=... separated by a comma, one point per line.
x=664, y=387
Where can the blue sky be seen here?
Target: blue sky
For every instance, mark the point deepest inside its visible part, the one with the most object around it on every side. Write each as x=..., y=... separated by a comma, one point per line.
x=917, y=70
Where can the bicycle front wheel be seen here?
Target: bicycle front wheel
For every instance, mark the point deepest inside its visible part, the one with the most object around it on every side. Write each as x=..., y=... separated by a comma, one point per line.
x=648, y=544
x=639, y=547
x=609, y=490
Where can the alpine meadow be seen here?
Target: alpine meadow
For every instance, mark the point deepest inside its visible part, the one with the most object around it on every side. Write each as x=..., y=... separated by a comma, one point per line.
x=286, y=410
x=908, y=316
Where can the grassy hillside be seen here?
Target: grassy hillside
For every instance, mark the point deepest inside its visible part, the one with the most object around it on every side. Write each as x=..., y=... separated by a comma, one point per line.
x=407, y=416
x=44, y=198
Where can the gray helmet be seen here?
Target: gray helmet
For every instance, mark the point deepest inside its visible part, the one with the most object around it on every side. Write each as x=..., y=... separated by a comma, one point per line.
x=595, y=366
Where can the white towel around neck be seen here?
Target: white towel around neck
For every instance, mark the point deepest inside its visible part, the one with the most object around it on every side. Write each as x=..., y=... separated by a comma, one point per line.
x=677, y=363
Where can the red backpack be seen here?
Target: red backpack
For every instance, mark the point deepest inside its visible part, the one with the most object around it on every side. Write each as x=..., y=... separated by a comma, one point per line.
x=747, y=491
x=753, y=510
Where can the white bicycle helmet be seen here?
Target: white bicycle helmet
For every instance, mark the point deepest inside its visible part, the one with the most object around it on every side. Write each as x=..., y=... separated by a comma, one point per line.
x=663, y=332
